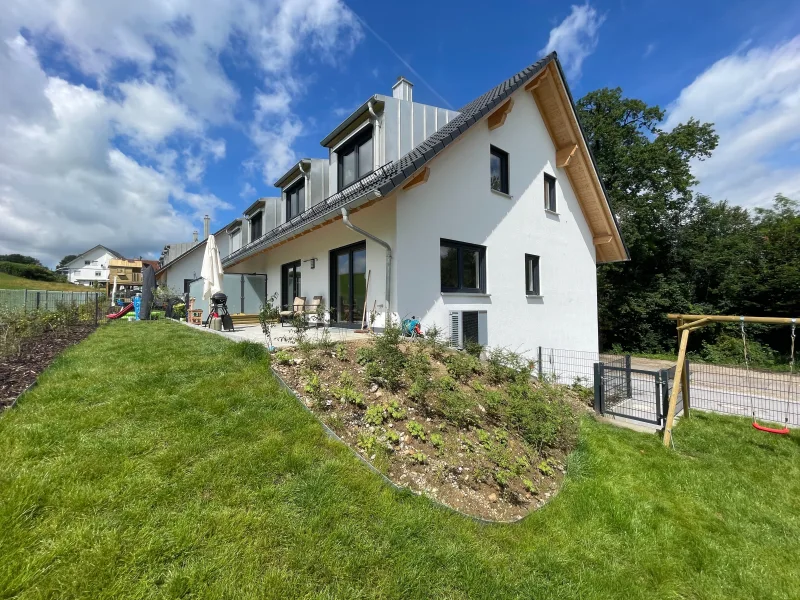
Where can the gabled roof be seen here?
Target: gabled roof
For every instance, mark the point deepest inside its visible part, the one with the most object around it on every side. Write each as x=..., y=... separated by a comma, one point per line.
x=558, y=112
x=291, y=173
x=109, y=250
x=200, y=244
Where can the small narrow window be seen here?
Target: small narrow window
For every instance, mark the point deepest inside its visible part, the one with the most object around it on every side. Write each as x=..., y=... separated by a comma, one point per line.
x=462, y=267
x=97, y=274
x=255, y=226
x=295, y=200
x=532, y=275
x=498, y=167
x=87, y=262
x=550, y=193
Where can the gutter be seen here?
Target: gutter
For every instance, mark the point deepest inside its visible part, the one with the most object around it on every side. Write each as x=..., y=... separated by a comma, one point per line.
x=377, y=240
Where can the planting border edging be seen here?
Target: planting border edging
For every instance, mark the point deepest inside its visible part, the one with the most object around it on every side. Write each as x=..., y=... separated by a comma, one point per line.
x=401, y=488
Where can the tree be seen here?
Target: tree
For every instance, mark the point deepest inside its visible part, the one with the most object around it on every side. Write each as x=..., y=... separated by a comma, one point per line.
x=21, y=259
x=66, y=260
x=647, y=173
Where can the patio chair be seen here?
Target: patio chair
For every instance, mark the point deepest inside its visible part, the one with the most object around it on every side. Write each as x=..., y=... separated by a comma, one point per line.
x=297, y=309
x=312, y=307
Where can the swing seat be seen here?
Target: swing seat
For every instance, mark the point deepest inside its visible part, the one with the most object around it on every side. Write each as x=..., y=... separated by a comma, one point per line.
x=783, y=431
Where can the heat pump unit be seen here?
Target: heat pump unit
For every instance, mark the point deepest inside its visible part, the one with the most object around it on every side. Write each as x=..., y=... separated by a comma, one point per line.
x=468, y=326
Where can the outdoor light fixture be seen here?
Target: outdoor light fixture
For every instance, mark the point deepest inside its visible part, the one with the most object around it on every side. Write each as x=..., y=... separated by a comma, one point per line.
x=313, y=262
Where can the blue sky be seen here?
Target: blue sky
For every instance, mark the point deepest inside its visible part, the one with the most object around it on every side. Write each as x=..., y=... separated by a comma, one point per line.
x=126, y=122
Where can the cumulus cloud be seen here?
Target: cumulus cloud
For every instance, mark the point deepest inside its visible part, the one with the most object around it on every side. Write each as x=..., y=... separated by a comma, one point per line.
x=753, y=99
x=575, y=38
x=132, y=124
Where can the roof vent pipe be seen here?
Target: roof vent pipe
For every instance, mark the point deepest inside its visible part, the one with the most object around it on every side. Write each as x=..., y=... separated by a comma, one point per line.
x=206, y=227
x=377, y=240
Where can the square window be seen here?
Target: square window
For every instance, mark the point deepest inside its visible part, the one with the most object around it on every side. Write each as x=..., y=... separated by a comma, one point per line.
x=532, y=275
x=87, y=262
x=498, y=169
x=462, y=267
x=550, y=193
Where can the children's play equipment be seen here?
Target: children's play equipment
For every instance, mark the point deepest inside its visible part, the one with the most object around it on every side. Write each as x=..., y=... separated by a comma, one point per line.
x=124, y=311
x=687, y=324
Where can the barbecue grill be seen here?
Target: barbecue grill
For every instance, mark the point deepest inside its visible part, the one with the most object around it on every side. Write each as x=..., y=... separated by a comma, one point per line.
x=219, y=302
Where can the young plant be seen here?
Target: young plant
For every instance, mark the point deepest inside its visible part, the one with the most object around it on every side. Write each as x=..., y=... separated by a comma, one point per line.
x=545, y=468
x=435, y=342
x=374, y=415
x=529, y=486
x=341, y=352
x=420, y=458
x=395, y=411
x=437, y=441
x=367, y=442
x=283, y=358
x=503, y=477
x=313, y=388
x=392, y=437
x=416, y=430
x=462, y=366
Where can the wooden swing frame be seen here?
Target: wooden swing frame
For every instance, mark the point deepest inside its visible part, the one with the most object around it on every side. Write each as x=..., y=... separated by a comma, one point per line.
x=687, y=324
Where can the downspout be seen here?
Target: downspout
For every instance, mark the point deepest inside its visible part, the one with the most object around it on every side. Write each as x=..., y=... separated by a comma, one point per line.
x=307, y=184
x=346, y=219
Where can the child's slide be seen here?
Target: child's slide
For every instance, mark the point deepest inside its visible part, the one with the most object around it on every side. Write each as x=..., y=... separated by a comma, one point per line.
x=122, y=312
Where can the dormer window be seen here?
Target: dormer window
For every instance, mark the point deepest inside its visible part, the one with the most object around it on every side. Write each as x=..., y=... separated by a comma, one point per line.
x=295, y=199
x=255, y=226
x=355, y=158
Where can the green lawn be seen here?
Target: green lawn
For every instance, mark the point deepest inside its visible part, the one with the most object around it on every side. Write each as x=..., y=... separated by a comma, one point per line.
x=12, y=282
x=156, y=461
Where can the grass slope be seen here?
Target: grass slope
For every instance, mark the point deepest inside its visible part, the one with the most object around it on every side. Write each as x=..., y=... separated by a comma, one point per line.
x=12, y=282
x=153, y=461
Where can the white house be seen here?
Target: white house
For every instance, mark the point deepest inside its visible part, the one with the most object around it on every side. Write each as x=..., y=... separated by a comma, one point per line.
x=488, y=222
x=91, y=267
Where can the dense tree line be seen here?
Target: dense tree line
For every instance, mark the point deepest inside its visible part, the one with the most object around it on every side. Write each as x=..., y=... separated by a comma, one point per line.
x=689, y=253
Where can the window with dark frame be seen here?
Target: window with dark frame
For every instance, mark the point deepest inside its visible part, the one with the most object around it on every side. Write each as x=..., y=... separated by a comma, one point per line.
x=462, y=267
x=255, y=226
x=532, y=275
x=295, y=199
x=355, y=158
x=550, y=193
x=498, y=168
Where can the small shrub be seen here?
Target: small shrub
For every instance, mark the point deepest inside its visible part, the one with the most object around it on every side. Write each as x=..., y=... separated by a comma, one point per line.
x=367, y=442
x=462, y=366
x=529, y=485
x=251, y=351
x=504, y=366
x=521, y=465
x=418, y=372
x=374, y=415
x=313, y=388
x=437, y=441
x=446, y=384
x=540, y=415
x=283, y=358
x=346, y=391
x=341, y=352
x=325, y=342
x=392, y=437
x=386, y=368
x=365, y=355
x=419, y=458
x=435, y=342
x=727, y=350
x=473, y=348
x=458, y=407
x=501, y=435
x=396, y=411
x=545, y=468
x=484, y=439
x=416, y=430
x=481, y=474
x=503, y=477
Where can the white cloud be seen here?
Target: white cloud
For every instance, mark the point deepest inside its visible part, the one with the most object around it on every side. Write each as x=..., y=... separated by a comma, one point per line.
x=248, y=191
x=575, y=38
x=753, y=99
x=74, y=158
x=650, y=49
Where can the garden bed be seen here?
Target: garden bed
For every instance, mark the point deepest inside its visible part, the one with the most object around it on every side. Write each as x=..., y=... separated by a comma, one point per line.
x=481, y=437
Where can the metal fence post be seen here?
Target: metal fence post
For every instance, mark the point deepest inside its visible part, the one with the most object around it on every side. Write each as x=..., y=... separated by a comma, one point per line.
x=686, y=387
x=598, y=387
x=95, y=310
x=539, y=363
x=38, y=299
x=628, y=377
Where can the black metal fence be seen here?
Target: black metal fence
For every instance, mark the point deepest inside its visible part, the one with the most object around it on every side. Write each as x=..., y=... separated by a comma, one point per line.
x=573, y=367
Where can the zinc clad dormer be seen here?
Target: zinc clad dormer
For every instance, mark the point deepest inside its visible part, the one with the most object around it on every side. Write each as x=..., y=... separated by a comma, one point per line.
x=302, y=186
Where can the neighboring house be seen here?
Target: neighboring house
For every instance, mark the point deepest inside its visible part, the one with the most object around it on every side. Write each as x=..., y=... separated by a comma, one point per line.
x=495, y=238
x=91, y=267
x=181, y=270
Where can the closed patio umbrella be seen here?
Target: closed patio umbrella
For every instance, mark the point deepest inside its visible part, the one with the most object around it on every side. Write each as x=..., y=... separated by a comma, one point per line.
x=114, y=291
x=211, y=271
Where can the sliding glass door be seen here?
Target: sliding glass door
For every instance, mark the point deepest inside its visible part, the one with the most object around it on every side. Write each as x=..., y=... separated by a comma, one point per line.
x=349, y=283
x=290, y=283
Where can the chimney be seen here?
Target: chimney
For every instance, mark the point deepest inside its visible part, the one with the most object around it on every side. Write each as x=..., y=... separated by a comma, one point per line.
x=402, y=89
x=206, y=227
x=194, y=235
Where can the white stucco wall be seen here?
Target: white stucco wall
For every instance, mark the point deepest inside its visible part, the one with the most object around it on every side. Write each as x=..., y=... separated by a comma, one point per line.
x=79, y=272
x=457, y=203
x=190, y=265
x=378, y=219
